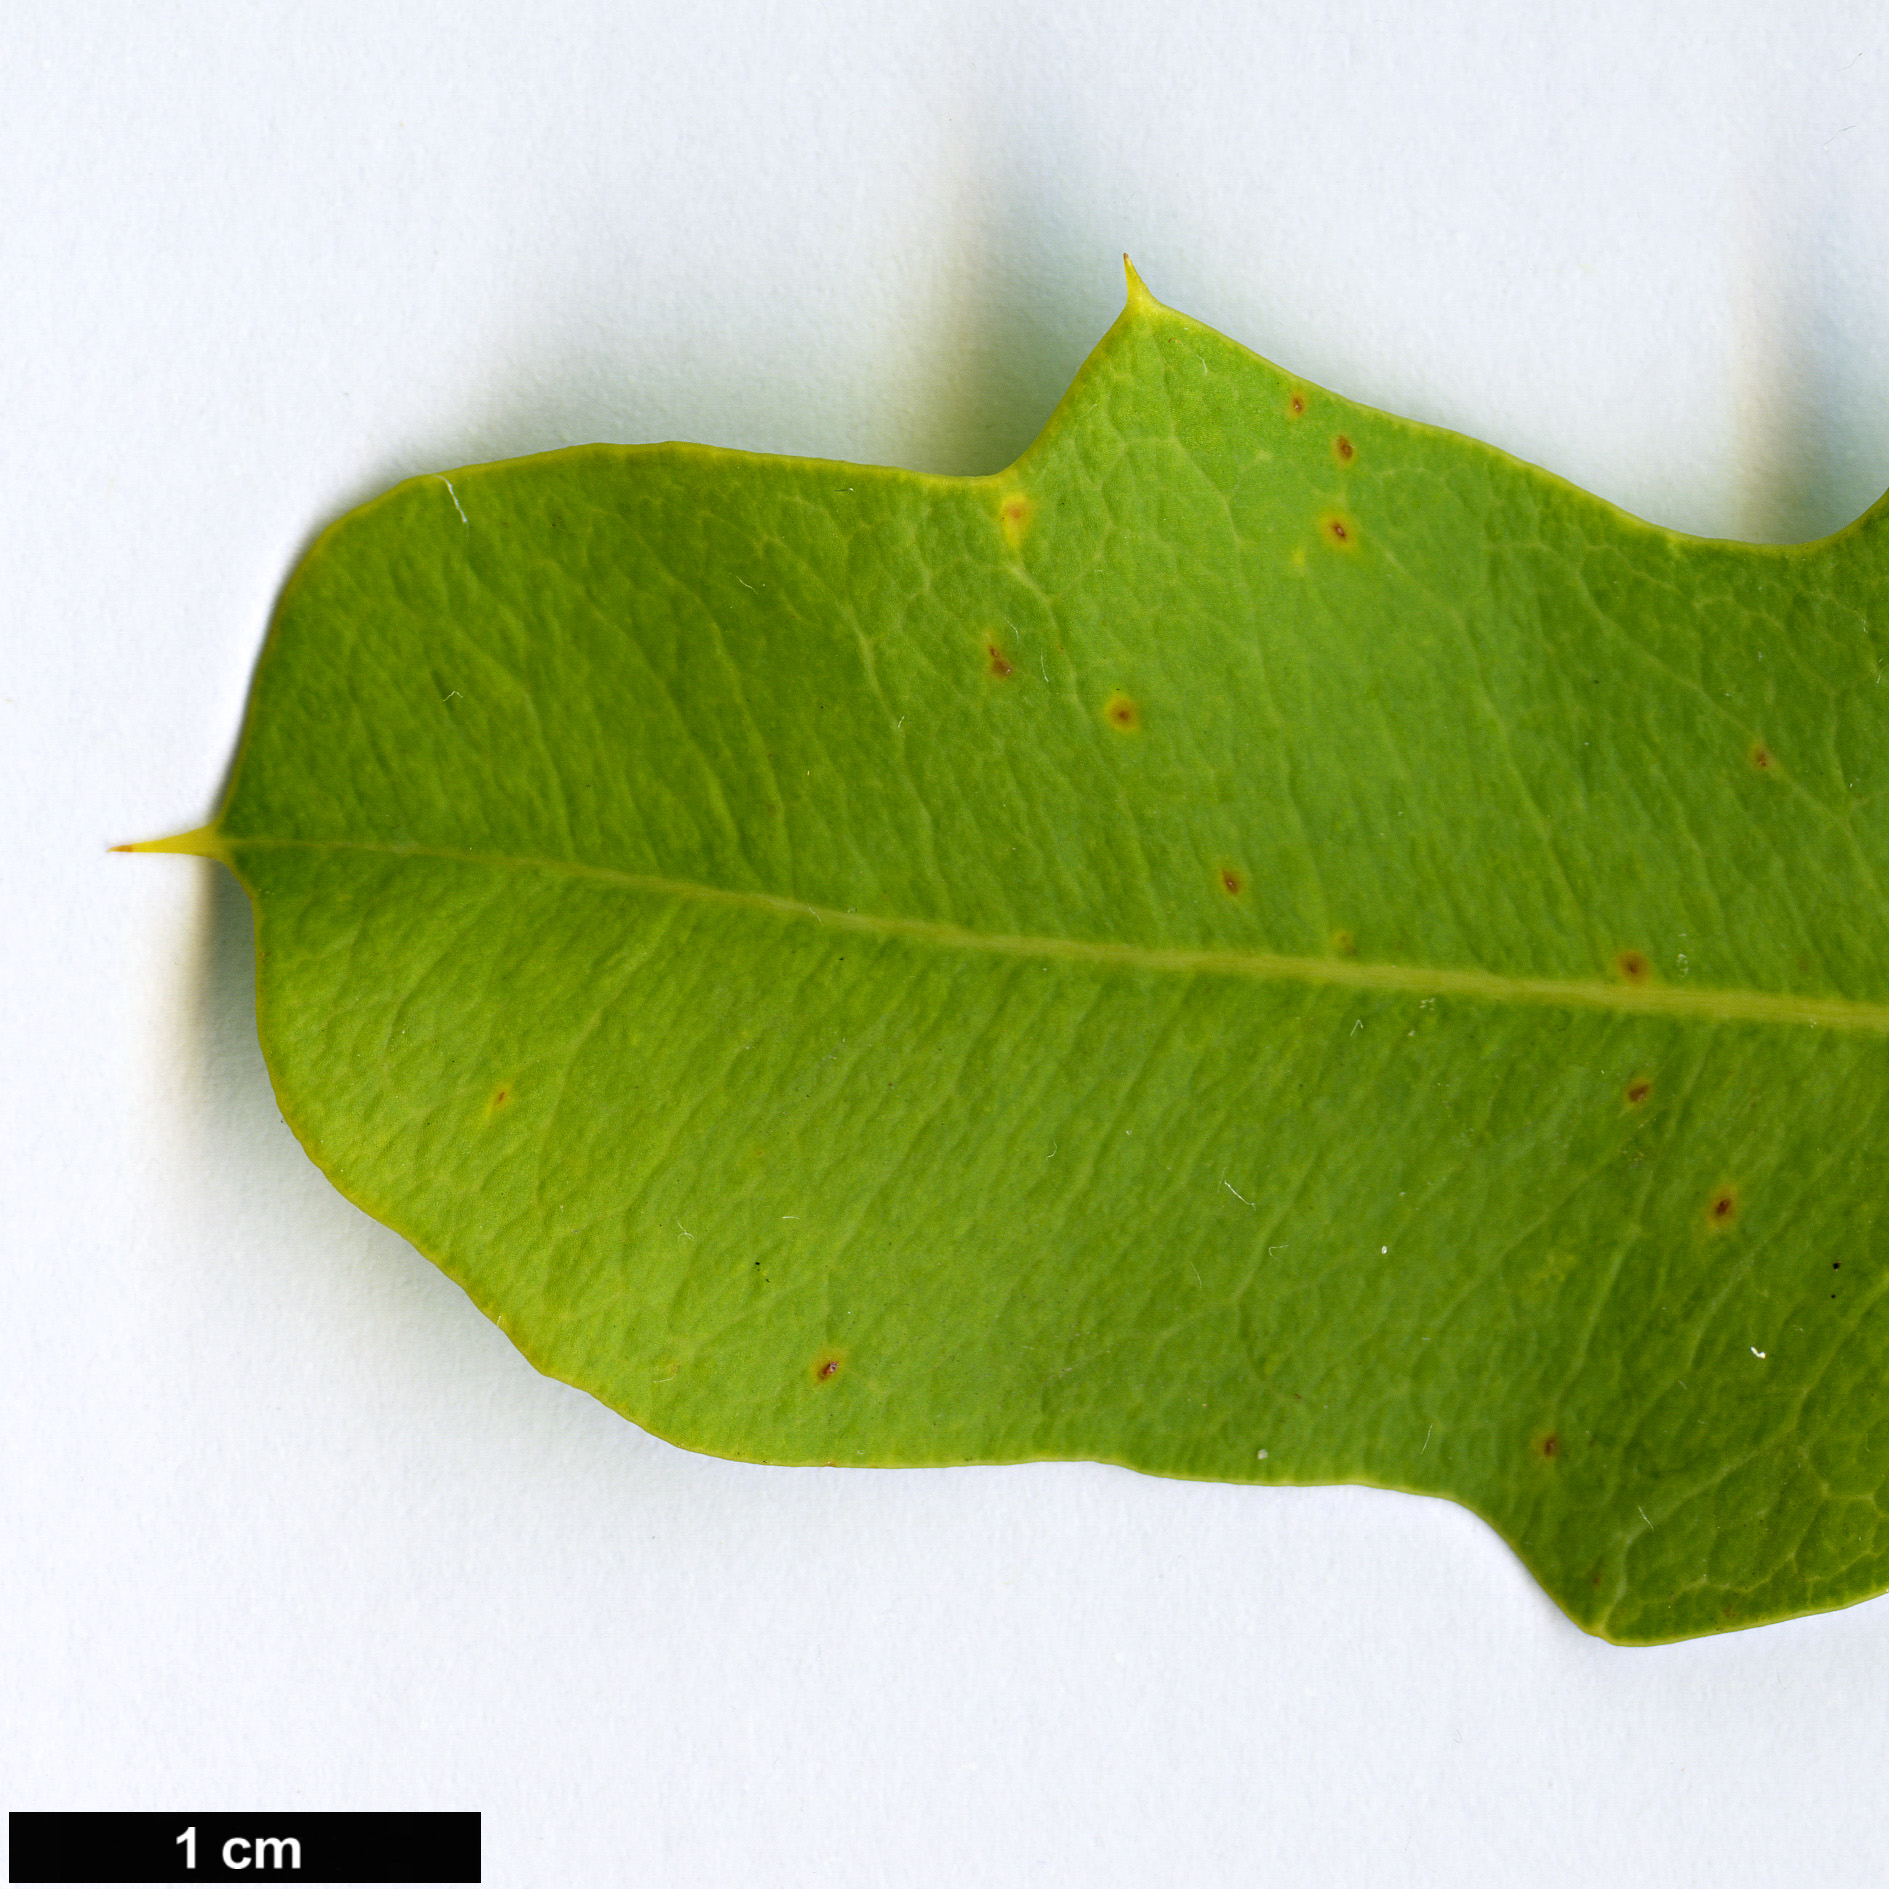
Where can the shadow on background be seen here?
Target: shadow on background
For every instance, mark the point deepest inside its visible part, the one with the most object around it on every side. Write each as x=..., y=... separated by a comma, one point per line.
x=240, y=1122
x=1809, y=388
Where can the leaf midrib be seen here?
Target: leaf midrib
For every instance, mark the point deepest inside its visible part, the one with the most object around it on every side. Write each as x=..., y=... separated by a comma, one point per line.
x=1665, y=1000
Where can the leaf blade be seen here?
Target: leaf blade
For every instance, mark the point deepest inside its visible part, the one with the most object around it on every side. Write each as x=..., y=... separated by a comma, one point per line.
x=704, y=885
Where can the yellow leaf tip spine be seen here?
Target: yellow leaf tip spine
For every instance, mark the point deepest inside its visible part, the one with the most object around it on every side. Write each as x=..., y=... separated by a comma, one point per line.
x=1140, y=302
x=203, y=842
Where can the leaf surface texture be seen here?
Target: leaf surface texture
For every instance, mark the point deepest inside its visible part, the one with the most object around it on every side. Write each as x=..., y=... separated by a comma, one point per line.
x=1265, y=942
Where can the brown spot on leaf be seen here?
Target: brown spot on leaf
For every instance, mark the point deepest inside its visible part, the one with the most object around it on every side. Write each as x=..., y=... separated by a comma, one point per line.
x=1000, y=664
x=826, y=1367
x=1340, y=533
x=1638, y=1090
x=1120, y=712
x=1722, y=1209
x=1343, y=447
x=1761, y=758
x=1296, y=405
x=1344, y=944
x=1632, y=966
x=1014, y=514
x=1551, y=1444
x=1231, y=883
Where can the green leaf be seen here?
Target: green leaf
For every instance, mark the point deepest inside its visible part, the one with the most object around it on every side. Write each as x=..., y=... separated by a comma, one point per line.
x=1264, y=942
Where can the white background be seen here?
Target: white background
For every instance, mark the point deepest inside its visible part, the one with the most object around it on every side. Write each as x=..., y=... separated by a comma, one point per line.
x=284, y=1522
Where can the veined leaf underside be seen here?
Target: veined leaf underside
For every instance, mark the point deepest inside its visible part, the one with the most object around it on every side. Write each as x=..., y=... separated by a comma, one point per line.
x=1265, y=942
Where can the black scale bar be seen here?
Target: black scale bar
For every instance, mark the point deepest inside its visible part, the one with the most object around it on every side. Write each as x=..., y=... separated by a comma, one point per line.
x=56, y=1846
